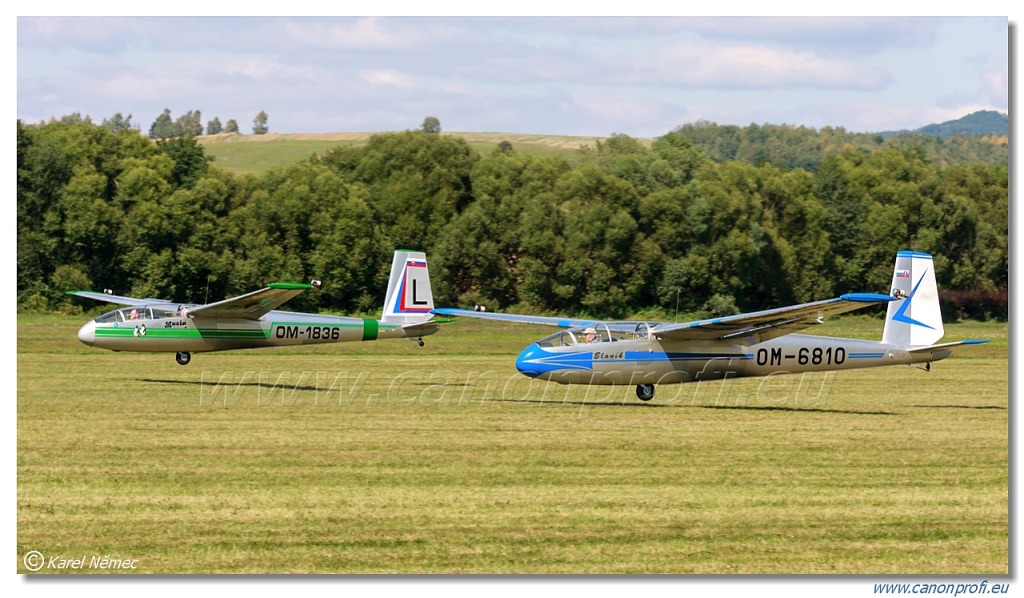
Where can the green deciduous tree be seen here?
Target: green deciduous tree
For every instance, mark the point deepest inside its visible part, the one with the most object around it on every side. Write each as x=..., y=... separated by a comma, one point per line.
x=627, y=226
x=191, y=123
x=119, y=123
x=164, y=126
x=214, y=127
x=259, y=124
x=190, y=160
x=416, y=182
x=431, y=125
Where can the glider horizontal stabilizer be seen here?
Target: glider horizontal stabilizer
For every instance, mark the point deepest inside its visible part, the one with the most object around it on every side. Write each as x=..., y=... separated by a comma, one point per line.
x=948, y=345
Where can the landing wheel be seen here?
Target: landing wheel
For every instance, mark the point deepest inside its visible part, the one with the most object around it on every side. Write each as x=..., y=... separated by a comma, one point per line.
x=420, y=341
x=645, y=392
x=183, y=357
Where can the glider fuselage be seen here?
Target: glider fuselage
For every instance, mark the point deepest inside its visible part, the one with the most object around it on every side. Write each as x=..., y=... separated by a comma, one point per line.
x=252, y=320
x=654, y=361
x=161, y=328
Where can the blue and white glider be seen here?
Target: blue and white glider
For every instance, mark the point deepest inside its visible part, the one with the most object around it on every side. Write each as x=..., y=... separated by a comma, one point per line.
x=760, y=343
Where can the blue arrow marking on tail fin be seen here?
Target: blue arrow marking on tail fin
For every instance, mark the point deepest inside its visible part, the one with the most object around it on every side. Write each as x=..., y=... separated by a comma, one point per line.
x=901, y=313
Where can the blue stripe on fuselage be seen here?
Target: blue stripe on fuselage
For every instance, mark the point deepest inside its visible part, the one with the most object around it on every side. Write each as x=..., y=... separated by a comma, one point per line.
x=535, y=361
x=644, y=356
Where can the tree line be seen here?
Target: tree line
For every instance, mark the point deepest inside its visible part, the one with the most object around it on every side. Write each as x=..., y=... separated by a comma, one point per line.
x=164, y=127
x=191, y=124
x=629, y=228
x=789, y=147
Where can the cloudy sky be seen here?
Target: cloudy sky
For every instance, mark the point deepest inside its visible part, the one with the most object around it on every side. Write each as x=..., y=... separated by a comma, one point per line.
x=641, y=76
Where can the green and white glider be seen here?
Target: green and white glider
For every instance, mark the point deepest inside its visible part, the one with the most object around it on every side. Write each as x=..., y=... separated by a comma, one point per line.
x=252, y=320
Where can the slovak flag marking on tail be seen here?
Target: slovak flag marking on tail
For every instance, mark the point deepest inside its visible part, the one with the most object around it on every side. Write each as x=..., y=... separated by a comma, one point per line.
x=412, y=296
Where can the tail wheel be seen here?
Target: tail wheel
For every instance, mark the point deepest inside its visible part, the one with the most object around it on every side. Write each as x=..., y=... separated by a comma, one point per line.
x=183, y=357
x=645, y=392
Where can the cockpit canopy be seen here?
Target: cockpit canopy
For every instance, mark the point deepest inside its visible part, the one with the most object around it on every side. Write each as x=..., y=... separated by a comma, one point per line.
x=605, y=332
x=143, y=312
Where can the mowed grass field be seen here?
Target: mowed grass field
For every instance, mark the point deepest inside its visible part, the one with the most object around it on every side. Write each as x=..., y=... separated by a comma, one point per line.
x=386, y=457
x=253, y=154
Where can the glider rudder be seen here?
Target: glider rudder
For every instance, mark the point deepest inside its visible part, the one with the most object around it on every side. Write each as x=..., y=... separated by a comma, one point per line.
x=409, y=299
x=914, y=319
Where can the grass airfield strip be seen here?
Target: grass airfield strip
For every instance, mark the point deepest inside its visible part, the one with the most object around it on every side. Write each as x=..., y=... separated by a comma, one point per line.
x=388, y=457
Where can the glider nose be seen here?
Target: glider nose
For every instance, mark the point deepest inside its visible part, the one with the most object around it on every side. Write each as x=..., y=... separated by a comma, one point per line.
x=527, y=363
x=87, y=333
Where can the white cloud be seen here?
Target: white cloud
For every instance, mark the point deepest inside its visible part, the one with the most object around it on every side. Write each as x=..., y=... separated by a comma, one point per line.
x=623, y=113
x=836, y=35
x=637, y=76
x=360, y=33
x=387, y=78
x=366, y=33
x=995, y=85
x=752, y=66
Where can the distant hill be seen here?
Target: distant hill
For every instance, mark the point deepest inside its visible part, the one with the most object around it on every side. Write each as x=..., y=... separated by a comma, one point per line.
x=250, y=154
x=787, y=146
x=984, y=122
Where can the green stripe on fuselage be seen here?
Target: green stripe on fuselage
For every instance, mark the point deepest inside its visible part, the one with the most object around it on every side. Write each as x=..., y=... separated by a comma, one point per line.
x=370, y=330
x=126, y=331
x=227, y=333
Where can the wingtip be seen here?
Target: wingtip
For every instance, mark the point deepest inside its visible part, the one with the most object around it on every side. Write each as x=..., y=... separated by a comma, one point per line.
x=867, y=297
x=290, y=286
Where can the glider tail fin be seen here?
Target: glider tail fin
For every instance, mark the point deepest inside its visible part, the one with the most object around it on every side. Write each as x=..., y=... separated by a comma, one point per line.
x=409, y=299
x=914, y=319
